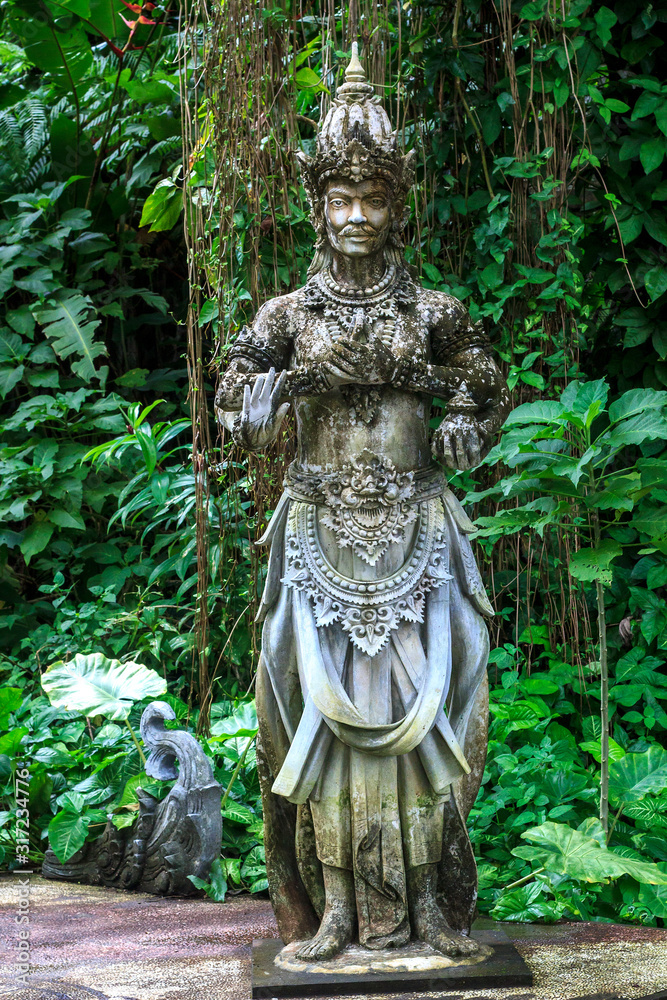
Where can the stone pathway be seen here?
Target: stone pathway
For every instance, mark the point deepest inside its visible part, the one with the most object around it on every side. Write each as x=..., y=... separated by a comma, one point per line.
x=88, y=942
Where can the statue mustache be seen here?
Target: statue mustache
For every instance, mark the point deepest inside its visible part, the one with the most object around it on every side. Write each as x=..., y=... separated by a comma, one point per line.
x=358, y=230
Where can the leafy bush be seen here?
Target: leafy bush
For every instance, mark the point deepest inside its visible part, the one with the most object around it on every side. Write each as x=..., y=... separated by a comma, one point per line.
x=86, y=769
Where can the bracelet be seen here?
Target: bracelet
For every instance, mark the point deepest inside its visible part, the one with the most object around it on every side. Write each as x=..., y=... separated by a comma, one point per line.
x=309, y=381
x=243, y=347
x=462, y=403
x=235, y=430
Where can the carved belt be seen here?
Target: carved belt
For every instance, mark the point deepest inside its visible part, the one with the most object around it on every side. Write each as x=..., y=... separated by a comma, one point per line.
x=367, y=478
x=368, y=503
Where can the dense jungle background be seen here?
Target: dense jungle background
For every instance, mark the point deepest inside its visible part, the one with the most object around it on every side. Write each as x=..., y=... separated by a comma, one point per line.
x=148, y=203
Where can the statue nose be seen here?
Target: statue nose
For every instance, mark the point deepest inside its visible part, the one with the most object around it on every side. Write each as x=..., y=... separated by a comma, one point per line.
x=357, y=213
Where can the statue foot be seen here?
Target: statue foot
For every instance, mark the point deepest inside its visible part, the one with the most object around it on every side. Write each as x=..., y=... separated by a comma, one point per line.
x=337, y=925
x=428, y=922
x=326, y=944
x=430, y=926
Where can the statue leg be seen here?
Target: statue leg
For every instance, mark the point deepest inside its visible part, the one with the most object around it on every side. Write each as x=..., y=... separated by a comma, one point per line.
x=338, y=921
x=426, y=917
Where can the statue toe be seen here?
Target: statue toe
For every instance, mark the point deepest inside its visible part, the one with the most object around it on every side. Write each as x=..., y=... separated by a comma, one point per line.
x=318, y=947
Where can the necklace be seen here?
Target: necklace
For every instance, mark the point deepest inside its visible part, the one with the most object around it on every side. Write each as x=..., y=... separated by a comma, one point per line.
x=348, y=312
x=354, y=294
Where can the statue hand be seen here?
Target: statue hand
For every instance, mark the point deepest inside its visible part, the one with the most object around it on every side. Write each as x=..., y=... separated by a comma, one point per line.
x=459, y=442
x=259, y=421
x=366, y=364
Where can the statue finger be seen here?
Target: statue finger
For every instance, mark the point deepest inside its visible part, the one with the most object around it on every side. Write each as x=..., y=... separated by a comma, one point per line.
x=277, y=390
x=281, y=413
x=351, y=346
x=347, y=362
x=342, y=350
x=245, y=412
x=337, y=371
x=267, y=388
x=461, y=450
x=475, y=451
x=379, y=347
x=257, y=390
x=449, y=451
x=465, y=448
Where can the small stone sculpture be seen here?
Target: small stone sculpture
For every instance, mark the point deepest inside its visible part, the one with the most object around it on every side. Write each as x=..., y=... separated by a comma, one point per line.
x=371, y=691
x=169, y=840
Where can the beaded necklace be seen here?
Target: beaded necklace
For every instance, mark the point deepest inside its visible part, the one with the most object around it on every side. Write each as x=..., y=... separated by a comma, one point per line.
x=346, y=292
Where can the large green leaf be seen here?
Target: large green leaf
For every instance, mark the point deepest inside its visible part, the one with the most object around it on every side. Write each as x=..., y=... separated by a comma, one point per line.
x=652, y=521
x=163, y=207
x=545, y=411
x=647, y=426
x=10, y=742
x=655, y=898
x=243, y=722
x=638, y=774
x=525, y=905
x=216, y=888
x=637, y=401
x=107, y=19
x=68, y=325
x=65, y=53
x=561, y=849
x=67, y=834
x=94, y=685
x=585, y=398
x=35, y=539
x=10, y=700
x=594, y=564
x=238, y=813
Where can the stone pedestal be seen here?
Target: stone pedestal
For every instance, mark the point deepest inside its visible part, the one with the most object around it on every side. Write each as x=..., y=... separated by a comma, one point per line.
x=357, y=971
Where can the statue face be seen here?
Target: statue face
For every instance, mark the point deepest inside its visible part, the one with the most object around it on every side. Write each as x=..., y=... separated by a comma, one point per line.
x=358, y=216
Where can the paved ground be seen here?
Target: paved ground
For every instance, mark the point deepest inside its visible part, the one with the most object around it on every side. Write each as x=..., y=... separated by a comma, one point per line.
x=89, y=942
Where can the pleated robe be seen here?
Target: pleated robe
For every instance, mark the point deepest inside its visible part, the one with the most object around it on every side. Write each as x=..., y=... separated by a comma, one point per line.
x=363, y=744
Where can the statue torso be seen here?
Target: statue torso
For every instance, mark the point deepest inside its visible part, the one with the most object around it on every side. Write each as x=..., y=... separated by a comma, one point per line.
x=336, y=427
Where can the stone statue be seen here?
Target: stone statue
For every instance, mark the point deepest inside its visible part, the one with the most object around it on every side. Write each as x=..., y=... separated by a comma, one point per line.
x=371, y=691
x=169, y=840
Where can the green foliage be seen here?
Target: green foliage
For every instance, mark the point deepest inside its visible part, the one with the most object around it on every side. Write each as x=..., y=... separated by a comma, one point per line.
x=216, y=887
x=541, y=785
x=567, y=451
x=68, y=830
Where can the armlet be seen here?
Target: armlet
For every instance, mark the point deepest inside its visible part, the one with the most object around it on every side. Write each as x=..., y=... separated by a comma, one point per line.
x=463, y=340
x=259, y=356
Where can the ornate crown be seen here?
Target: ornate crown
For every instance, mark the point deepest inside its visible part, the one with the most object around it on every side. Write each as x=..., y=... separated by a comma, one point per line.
x=356, y=142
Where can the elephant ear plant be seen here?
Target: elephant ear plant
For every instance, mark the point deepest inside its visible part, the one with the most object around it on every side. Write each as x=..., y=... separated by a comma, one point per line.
x=94, y=685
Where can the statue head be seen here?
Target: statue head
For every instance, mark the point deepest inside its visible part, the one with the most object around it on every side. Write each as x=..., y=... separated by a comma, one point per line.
x=358, y=216
x=358, y=180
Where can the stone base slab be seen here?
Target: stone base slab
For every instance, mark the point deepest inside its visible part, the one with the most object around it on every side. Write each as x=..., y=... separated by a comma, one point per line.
x=276, y=973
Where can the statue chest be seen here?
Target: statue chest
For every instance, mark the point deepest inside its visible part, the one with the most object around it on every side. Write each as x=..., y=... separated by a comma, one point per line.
x=404, y=333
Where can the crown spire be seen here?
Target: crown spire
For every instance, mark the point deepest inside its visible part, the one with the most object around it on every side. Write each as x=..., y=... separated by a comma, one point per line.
x=355, y=141
x=355, y=71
